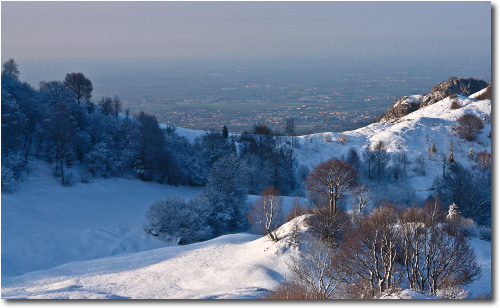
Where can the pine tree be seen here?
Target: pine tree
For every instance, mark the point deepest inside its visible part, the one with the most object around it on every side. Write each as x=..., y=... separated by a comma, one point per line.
x=451, y=158
x=433, y=148
x=233, y=146
x=471, y=154
x=225, y=132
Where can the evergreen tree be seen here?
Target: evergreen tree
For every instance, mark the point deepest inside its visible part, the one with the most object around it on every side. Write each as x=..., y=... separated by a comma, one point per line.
x=451, y=158
x=225, y=132
x=471, y=154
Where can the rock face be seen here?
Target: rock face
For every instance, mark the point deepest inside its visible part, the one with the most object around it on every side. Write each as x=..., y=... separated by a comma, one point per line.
x=454, y=85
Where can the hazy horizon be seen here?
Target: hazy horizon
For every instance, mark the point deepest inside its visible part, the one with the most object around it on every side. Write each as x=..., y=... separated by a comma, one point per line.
x=162, y=31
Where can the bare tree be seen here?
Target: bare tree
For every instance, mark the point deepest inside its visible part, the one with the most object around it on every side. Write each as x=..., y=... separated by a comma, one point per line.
x=107, y=105
x=267, y=212
x=328, y=226
x=369, y=158
x=9, y=68
x=381, y=157
x=80, y=85
x=316, y=270
x=360, y=198
x=436, y=253
x=117, y=105
x=369, y=253
x=483, y=160
x=469, y=126
x=329, y=181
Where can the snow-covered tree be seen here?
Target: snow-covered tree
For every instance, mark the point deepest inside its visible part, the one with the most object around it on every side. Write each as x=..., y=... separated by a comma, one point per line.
x=470, y=154
x=10, y=69
x=451, y=157
x=452, y=212
x=226, y=192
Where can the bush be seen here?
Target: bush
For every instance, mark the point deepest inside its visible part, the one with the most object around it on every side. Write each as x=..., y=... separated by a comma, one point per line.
x=178, y=220
x=70, y=179
x=469, y=126
x=291, y=290
x=341, y=139
x=455, y=104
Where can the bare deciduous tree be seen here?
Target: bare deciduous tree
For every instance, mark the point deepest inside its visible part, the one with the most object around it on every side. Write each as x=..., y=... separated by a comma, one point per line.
x=316, y=270
x=328, y=226
x=469, y=126
x=9, y=68
x=381, y=157
x=369, y=252
x=360, y=198
x=80, y=85
x=437, y=254
x=267, y=212
x=329, y=181
x=483, y=160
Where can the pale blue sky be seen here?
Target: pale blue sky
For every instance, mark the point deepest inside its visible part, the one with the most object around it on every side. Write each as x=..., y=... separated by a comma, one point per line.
x=170, y=30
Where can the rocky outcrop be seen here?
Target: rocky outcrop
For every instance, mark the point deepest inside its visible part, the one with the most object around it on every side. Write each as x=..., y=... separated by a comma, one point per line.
x=454, y=85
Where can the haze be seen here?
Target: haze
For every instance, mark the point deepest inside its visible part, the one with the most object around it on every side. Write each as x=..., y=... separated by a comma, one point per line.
x=185, y=30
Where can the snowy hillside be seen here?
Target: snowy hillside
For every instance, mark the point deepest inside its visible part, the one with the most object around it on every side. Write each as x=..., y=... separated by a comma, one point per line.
x=233, y=266
x=45, y=224
x=412, y=134
x=87, y=241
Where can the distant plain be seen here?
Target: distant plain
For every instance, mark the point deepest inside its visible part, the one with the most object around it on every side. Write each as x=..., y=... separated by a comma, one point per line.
x=319, y=94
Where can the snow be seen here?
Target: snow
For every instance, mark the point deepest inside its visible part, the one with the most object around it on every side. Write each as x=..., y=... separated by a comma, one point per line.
x=87, y=241
x=45, y=224
x=413, y=134
x=239, y=265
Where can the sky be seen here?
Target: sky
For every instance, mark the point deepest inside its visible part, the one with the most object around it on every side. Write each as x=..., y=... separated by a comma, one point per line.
x=42, y=31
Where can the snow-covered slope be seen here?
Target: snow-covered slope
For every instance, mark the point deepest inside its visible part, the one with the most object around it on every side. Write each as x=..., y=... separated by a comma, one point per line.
x=45, y=224
x=87, y=241
x=412, y=134
x=233, y=266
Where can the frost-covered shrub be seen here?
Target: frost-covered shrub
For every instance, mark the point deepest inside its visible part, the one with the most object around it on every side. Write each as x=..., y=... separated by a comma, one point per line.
x=85, y=176
x=180, y=221
x=328, y=138
x=484, y=233
x=453, y=292
x=12, y=171
x=8, y=179
x=419, y=165
x=341, y=139
x=70, y=179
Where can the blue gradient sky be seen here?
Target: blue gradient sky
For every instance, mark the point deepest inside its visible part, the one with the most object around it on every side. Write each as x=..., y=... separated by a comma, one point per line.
x=41, y=31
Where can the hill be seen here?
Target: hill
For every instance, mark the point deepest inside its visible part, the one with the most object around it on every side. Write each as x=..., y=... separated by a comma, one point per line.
x=87, y=241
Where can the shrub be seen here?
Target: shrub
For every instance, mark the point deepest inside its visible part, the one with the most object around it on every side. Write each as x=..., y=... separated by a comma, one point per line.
x=469, y=126
x=290, y=290
x=455, y=104
x=178, y=220
x=341, y=139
